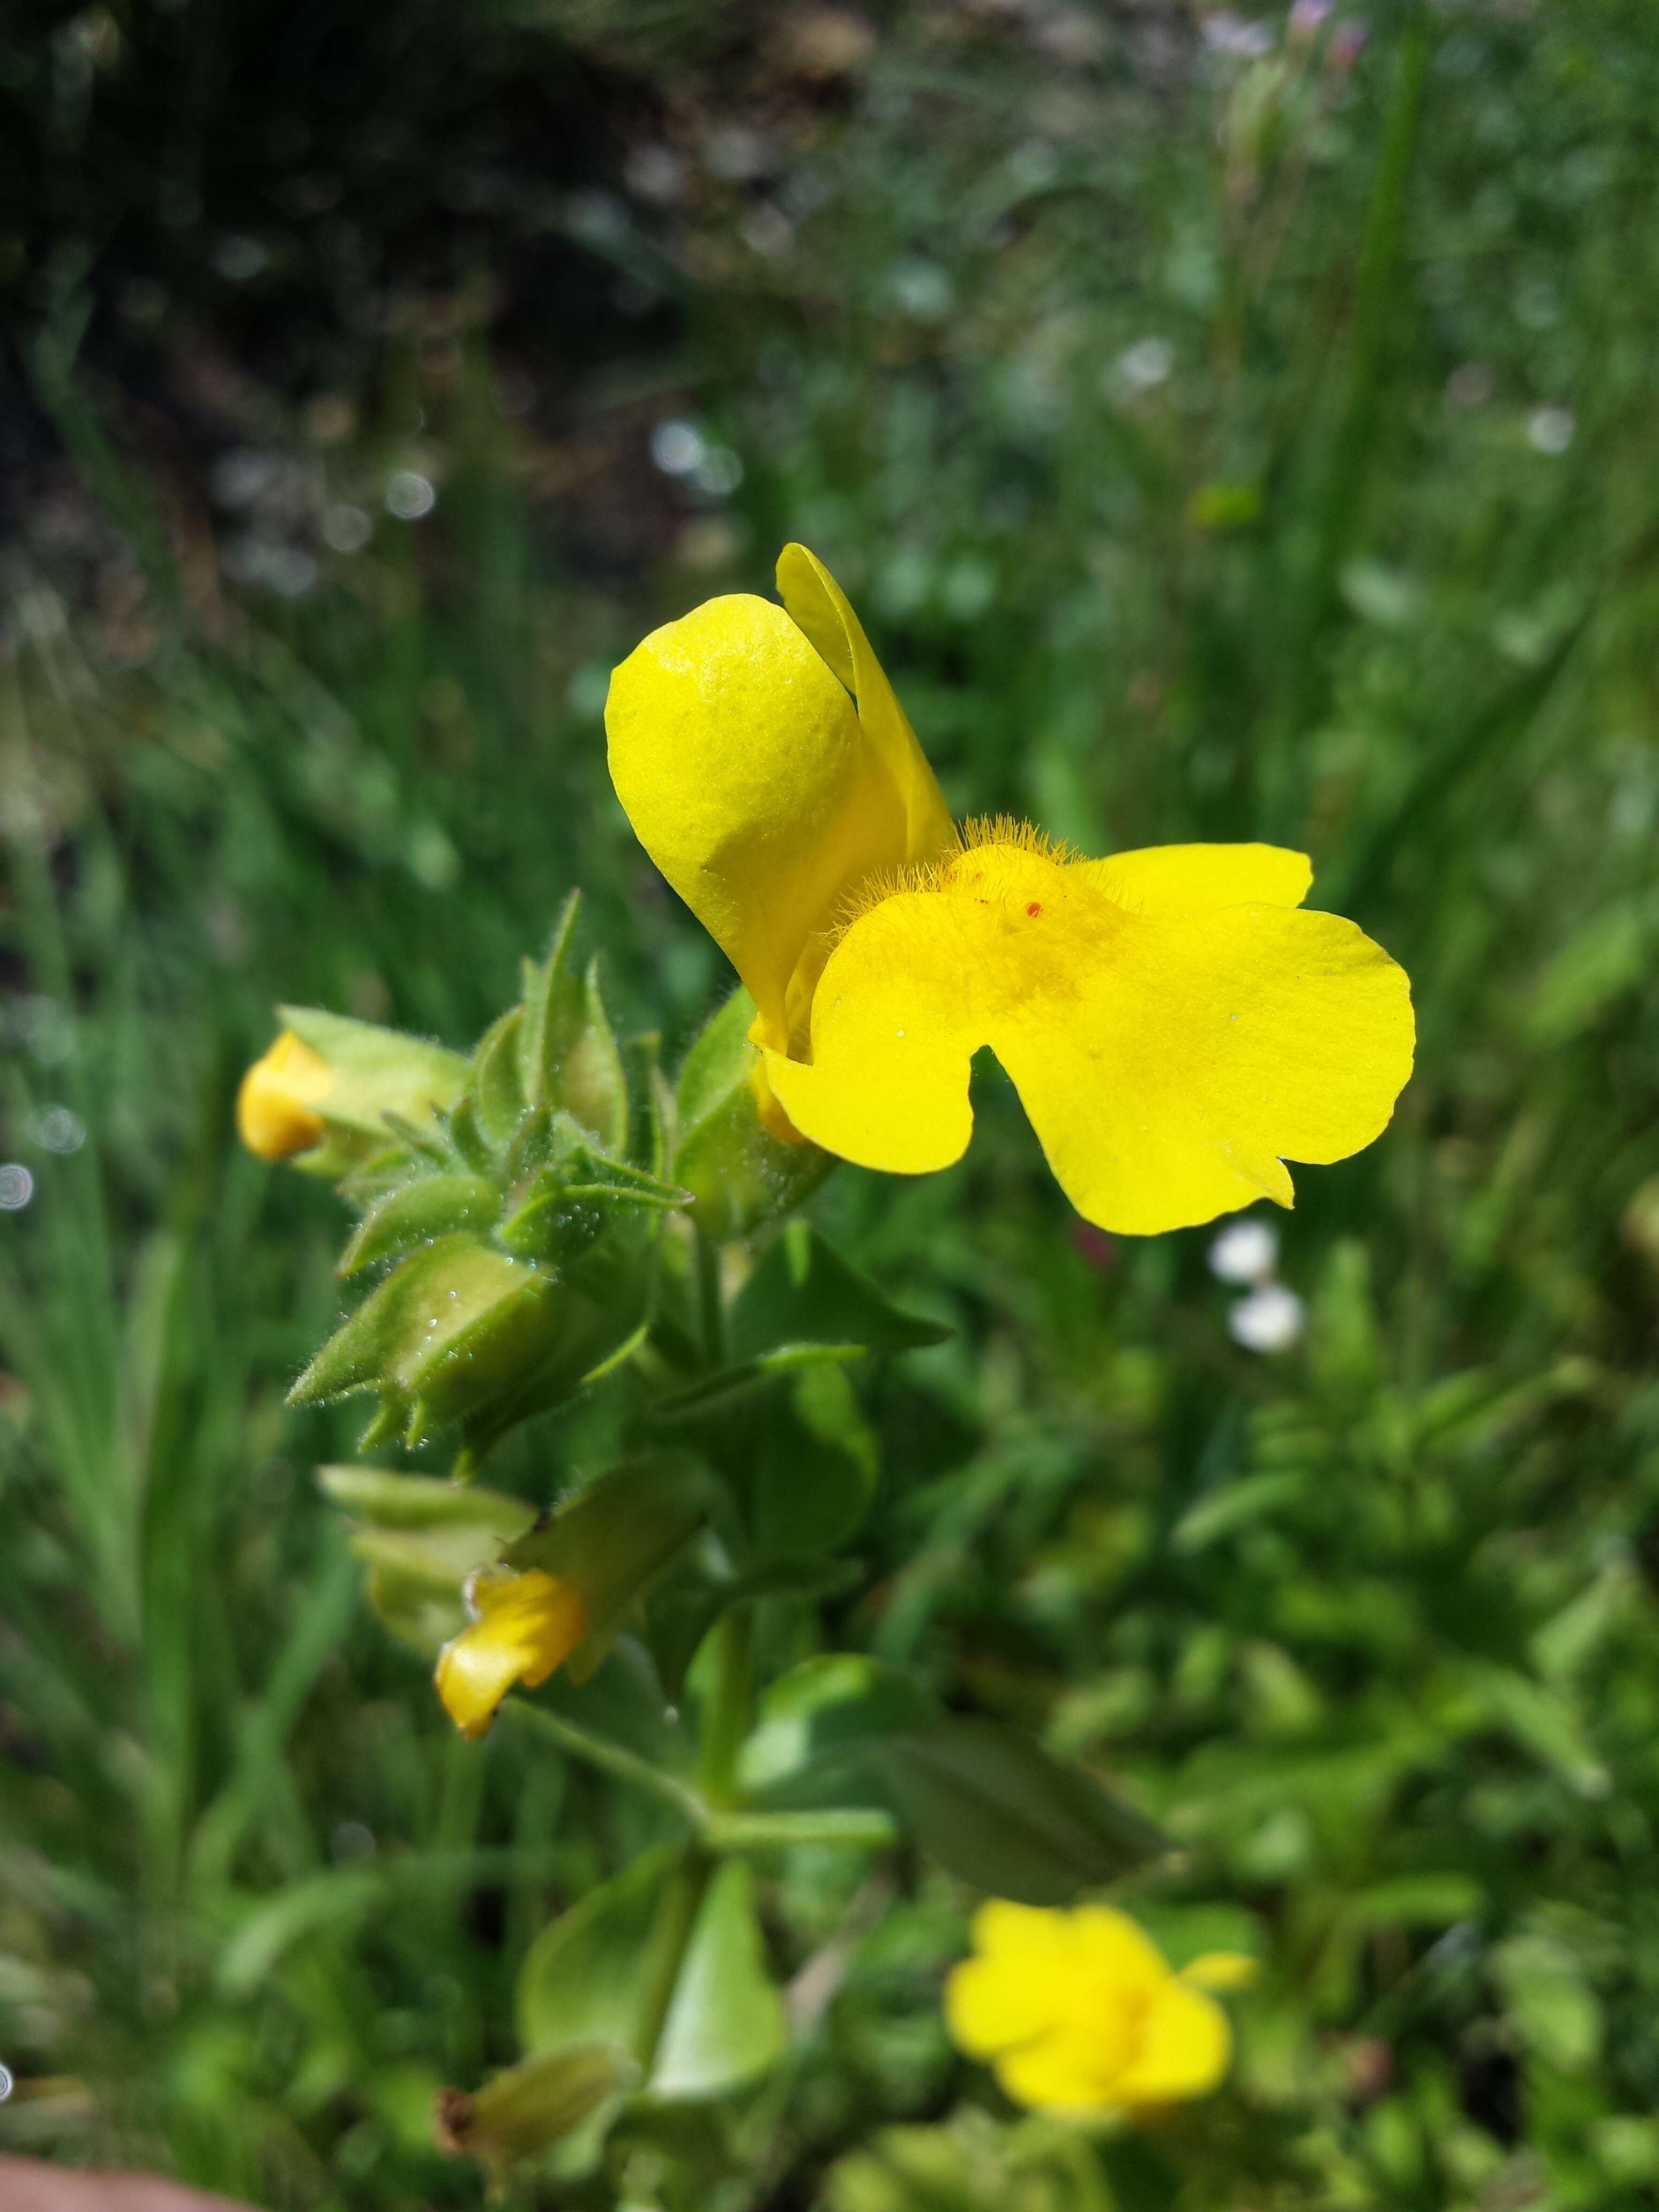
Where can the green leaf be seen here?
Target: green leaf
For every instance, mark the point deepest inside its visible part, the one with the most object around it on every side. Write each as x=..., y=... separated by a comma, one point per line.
x=727, y=2023
x=377, y=1071
x=614, y=1537
x=996, y=1811
x=1547, y=1995
x=825, y=1712
x=583, y=1978
x=531, y=2106
x=468, y=1137
x=568, y=1058
x=1545, y=1721
x=1233, y=1505
x=418, y=1213
x=803, y=1293
x=728, y=1386
x=814, y=1468
x=682, y=1613
x=1416, y=1900
x=495, y=1085
x=740, y=1174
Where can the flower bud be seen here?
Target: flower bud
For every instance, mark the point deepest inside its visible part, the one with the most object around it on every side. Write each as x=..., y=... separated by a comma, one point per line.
x=534, y=2105
x=327, y=1087
x=274, y=1116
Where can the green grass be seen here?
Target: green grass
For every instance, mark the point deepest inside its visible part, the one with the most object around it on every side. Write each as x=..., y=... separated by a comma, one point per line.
x=1370, y=1624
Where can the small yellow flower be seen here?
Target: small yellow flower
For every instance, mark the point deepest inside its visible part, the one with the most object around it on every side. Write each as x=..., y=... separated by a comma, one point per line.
x=273, y=1106
x=328, y=1085
x=1175, y=1025
x=1079, y=2012
x=528, y=1625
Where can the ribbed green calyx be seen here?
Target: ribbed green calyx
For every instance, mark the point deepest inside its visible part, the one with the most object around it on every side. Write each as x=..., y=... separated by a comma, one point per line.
x=514, y=1236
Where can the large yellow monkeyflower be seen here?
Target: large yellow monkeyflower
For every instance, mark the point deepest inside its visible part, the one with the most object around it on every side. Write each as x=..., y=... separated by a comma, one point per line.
x=1079, y=2012
x=1177, y=1027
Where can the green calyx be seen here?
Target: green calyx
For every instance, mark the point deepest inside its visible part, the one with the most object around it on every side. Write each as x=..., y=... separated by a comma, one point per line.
x=518, y=1238
x=741, y=1175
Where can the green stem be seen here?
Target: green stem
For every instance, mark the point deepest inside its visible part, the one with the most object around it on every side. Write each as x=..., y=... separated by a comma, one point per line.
x=671, y=1939
x=730, y=1703
x=712, y=1309
x=866, y=1827
x=611, y=1758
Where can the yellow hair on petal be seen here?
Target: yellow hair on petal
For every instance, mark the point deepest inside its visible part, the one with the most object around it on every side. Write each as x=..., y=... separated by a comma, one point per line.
x=1009, y=831
x=1001, y=833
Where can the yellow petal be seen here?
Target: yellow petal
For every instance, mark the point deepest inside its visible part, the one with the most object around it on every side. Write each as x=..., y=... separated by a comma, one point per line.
x=1169, y=1062
x=526, y=1625
x=813, y=598
x=1184, y=2047
x=755, y=787
x=1016, y=1989
x=1193, y=879
x=1024, y=1934
x=1065, y=2072
x=273, y=1106
x=1222, y=1970
x=1115, y=1953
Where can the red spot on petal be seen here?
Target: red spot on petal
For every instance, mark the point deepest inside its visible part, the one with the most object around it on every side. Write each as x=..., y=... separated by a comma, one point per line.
x=1035, y=908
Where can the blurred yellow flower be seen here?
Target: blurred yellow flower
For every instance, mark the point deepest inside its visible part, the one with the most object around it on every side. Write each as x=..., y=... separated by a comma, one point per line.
x=273, y=1106
x=1078, y=2012
x=327, y=1085
x=1177, y=1027
x=528, y=1625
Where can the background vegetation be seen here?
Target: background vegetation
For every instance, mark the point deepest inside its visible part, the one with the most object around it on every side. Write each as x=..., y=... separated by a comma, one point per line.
x=1229, y=427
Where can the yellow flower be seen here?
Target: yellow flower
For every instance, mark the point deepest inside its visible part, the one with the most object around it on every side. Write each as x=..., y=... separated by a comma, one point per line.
x=273, y=1106
x=1175, y=1026
x=528, y=1625
x=1079, y=2012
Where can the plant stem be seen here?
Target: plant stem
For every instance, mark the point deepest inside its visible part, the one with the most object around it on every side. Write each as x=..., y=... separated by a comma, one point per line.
x=867, y=1826
x=730, y=1703
x=611, y=1758
x=671, y=1939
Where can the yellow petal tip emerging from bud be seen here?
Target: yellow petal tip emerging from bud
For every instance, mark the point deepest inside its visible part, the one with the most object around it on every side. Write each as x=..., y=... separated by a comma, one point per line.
x=273, y=1107
x=526, y=1626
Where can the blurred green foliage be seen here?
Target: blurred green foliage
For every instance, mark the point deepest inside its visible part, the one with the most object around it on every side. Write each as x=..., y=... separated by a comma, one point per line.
x=1222, y=436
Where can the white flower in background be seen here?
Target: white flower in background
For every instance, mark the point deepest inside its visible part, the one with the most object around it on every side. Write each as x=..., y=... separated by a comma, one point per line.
x=1270, y=1320
x=1245, y=1251
x=1551, y=430
x=16, y=1187
x=678, y=448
